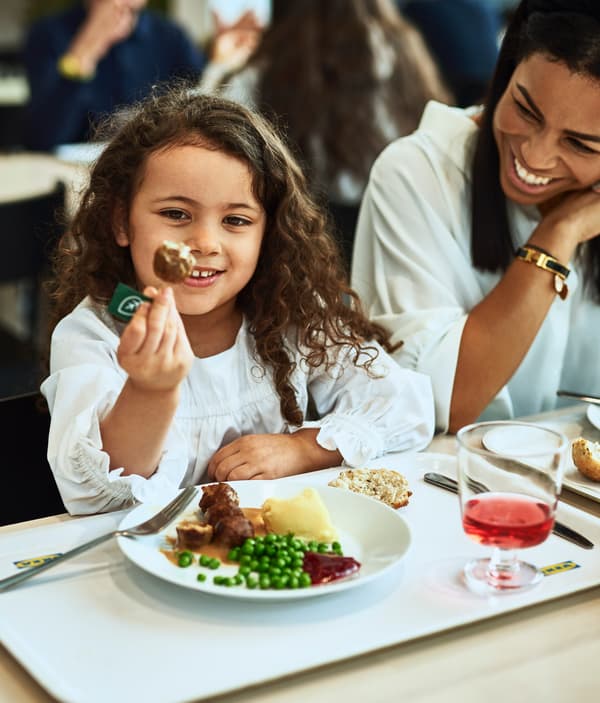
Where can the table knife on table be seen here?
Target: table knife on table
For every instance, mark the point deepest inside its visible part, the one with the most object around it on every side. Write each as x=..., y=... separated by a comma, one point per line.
x=579, y=396
x=559, y=528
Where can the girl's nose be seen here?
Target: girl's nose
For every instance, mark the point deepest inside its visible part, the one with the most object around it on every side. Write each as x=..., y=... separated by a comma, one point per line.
x=204, y=241
x=540, y=151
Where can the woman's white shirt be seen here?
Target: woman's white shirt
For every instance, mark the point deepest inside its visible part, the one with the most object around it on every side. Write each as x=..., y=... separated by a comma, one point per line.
x=412, y=268
x=223, y=397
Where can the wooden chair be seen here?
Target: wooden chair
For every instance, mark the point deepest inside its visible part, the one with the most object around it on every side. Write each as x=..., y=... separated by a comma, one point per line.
x=29, y=490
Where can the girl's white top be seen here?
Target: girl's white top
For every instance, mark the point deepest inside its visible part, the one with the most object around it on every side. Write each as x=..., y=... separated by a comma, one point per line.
x=412, y=268
x=224, y=397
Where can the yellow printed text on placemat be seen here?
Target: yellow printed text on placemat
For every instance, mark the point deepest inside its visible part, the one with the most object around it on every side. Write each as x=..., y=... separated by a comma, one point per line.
x=35, y=561
x=558, y=568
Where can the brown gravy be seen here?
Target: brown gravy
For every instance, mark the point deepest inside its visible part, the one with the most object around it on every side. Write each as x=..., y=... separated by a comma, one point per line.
x=216, y=550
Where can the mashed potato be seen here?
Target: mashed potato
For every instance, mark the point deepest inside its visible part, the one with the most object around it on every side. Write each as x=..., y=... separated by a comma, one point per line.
x=305, y=516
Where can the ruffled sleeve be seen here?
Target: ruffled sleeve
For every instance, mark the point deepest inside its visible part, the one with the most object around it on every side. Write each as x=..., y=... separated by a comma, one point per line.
x=83, y=385
x=365, y=416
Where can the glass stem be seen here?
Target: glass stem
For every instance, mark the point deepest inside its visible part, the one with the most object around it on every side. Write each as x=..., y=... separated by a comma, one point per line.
x=503, y=565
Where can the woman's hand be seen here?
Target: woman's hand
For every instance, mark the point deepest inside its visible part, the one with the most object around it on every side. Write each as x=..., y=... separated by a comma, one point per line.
x=271, y=456
x=567, y=221
x=154, y=349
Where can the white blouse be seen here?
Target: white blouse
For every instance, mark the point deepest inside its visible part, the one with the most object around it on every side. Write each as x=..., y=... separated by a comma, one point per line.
x=412, y=268
x=224, y=397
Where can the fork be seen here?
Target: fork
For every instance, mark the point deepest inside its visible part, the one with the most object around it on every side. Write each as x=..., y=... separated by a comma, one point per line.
x=148, y=527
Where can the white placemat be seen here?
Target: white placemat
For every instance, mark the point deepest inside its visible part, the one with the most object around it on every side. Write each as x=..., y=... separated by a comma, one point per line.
x=101, y=629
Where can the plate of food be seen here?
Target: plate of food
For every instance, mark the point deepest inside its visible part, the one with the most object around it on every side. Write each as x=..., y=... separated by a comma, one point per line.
x=272, y=540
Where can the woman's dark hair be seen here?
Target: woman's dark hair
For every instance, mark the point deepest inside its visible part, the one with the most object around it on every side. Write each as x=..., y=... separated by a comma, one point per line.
x=299, y=283
x=566, y=31
x=328, y=68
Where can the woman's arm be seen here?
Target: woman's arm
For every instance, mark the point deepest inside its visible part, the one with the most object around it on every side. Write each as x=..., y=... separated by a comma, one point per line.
x=500, y=330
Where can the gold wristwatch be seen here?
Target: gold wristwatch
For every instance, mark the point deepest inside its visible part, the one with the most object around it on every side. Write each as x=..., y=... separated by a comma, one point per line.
x=532, y=254
x=69, y=66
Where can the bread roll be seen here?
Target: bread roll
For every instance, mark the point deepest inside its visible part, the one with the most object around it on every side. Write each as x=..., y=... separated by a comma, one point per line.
x=388, y=486
x=586, y=457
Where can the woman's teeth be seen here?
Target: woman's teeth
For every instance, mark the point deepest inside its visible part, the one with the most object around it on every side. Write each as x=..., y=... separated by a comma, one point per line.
x=529, y=178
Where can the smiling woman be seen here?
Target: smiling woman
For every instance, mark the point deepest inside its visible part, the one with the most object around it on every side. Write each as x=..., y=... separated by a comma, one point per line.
x=471, y=226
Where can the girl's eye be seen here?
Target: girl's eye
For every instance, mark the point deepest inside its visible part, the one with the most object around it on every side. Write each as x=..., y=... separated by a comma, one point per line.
x=525, y=111
x=236, y=220
x=173, y=214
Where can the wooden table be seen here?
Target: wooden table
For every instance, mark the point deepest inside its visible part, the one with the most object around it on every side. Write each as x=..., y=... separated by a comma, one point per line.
x=547, y=652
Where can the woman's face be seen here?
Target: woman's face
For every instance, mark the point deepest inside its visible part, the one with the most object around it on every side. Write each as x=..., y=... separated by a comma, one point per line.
x=202, y=198
x=547, y=129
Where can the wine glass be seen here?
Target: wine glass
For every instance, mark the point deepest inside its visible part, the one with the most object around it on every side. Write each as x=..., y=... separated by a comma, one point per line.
x=509, y=477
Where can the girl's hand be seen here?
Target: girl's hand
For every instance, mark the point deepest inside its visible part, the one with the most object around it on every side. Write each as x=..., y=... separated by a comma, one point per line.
x=154, y=349
x=271, y=456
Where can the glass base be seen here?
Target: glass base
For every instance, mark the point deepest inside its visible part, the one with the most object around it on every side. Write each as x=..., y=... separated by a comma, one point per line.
x=493, y=576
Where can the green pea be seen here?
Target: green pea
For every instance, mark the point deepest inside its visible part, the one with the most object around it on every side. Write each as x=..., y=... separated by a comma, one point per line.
x=214, y=563
x=247, y=548
x=244, y=570
x=270, y=538
x=294, y=582
x=336, y=546
x=251, y=582
x=218, y=580
x=238, y=579
x=304, y=580
x=201, y=577
x=259, y=549
x=185, y=559
x=234, y=554
x=313, y=546
x=264, y=582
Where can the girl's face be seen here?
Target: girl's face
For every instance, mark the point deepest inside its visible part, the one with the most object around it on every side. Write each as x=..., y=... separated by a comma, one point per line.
x=547, y=129
x=204, y=199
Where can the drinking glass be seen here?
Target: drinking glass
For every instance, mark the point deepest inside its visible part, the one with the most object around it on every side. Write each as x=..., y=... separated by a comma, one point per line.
x=509, y=478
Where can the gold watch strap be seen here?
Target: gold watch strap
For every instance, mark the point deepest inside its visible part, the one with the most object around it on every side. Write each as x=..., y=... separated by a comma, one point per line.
x=545, y=261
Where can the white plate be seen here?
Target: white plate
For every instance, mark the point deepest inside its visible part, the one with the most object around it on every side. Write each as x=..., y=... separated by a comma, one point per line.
x=593, y=415
x=378, y=540
x=519, y=441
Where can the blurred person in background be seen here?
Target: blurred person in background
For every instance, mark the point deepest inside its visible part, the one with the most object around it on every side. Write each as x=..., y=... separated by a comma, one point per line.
x=83, y=62
x=343, y=78
x=463, y=37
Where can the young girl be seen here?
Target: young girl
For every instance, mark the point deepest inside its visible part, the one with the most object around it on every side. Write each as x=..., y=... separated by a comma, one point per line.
x=212, y=380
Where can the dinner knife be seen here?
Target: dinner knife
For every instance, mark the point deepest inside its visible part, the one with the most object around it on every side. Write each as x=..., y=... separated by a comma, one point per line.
x=580, y=396
x=559, y=528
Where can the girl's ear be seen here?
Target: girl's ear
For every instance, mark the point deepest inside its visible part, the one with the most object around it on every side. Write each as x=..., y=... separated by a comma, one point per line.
x=120, y=228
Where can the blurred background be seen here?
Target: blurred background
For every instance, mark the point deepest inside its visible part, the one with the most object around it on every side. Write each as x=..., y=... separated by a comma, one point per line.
x=298, y=61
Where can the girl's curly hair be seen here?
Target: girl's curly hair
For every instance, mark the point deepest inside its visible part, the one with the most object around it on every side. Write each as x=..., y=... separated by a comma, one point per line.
x=299, y=283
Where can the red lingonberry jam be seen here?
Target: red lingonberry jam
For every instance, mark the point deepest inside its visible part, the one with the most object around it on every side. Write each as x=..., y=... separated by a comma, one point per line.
x=324, y=568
